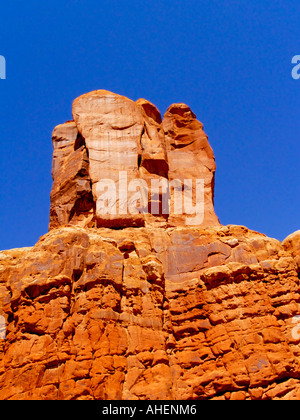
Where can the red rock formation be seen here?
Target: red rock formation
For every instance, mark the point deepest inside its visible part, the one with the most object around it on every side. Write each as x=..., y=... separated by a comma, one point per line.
x=292, y=244
x=71, y=195
x=155, y=312
x=150, y=314
x=190, y=157
x=126, y=147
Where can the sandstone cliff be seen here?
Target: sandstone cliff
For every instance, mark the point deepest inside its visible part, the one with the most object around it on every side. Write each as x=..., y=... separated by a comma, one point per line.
x=155, y=309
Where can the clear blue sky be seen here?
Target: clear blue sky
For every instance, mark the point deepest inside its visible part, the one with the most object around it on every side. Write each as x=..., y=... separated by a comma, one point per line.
x=230, y=61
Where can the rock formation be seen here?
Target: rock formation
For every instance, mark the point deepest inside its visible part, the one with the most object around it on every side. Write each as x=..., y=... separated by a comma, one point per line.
x=157, y=308
x=125, y=146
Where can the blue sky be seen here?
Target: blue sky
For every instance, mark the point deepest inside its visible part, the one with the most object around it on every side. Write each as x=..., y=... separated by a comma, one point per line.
x=230, y=61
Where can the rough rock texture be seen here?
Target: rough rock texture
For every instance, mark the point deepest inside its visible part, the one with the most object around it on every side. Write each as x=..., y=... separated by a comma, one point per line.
x=292, y=244
x=71, y=195
x=158, y=308
x=114, y=138
x=178, y=313
x=190, y=157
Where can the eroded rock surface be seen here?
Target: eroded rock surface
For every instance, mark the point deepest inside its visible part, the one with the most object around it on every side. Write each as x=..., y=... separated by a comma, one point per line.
x=152, y=303
x=156, y=313
x=119, y=165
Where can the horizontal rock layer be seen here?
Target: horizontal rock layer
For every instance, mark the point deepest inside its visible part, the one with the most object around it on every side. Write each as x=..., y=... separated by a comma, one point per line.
x=177, y=313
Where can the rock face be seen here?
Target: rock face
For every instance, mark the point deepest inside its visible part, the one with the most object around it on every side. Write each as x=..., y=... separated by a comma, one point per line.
x=71, y=195
x=119, y=165
x=164, y=307
x=150, y=313
x=190, y=157
x=292, y=244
